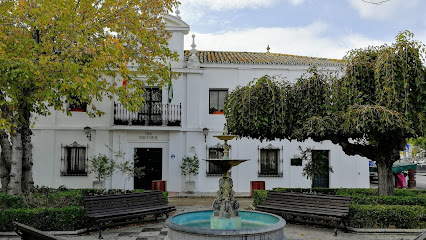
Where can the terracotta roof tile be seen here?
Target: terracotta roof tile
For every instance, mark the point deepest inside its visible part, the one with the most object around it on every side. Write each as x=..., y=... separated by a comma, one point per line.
x=262, y=58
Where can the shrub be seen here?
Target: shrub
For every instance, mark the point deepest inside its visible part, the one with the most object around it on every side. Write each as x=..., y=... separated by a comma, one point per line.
x=259, y=197
x=189, y=166
x=389, y=200
x=386, y=216
x=331, y=191
x=54, y=199
x=166, y=196
x=8, y=201
x=45, y=219
x=353, y=191
x=102, y=166
x=405, y=210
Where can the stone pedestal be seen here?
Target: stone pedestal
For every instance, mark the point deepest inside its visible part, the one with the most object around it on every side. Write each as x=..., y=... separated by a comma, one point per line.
x=225, y=214
x=189, y=187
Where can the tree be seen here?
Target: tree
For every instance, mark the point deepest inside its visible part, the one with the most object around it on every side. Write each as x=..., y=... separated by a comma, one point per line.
x=102, y=166
x=314, y=166
x=419, y=148
x=58, y=51
x=125, y=166
x=189, y=166
x=370, y=111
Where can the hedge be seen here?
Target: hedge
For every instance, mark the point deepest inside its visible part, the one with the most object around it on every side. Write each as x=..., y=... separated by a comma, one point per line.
x=405, y=210
x=8, y=201
x=45, y=219
x=51, y=198
x=259, y=197
x=50, y=209
x=389, y=200
x=387, y=216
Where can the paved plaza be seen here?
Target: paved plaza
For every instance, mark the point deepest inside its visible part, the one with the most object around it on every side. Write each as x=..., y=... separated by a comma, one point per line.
x=156, y=230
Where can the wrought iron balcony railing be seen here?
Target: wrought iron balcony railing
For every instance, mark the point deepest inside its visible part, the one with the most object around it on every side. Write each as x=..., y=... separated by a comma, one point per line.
x=150, y=114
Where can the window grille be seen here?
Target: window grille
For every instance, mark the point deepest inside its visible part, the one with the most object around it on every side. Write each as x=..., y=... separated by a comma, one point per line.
x=74, y=160
x=270, y=161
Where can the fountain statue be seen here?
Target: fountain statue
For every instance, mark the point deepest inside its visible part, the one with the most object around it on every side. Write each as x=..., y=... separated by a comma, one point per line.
x=225, y=207
x=225, y=221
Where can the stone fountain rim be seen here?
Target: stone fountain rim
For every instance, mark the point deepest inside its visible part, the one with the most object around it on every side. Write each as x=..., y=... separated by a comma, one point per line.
x=218, y=232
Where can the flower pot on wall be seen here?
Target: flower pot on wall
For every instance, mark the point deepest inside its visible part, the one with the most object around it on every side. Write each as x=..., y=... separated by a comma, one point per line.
x=77, y=109
x=99, y=184
x=189, y=187
x=218, y=112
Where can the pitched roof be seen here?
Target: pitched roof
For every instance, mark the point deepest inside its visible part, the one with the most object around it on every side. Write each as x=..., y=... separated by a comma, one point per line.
x=222, y=57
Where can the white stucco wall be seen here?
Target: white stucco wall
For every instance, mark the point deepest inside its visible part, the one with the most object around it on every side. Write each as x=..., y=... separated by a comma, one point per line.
x=192, y=91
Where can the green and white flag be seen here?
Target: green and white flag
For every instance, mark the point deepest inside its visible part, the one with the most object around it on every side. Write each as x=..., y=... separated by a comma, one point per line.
x=170, y=93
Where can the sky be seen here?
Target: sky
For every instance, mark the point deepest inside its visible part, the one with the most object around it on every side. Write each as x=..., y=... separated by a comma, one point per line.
x=317, y=28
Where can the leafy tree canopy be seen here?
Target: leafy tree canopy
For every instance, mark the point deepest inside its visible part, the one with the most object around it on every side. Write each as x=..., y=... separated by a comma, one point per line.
x=53, y=50
x=370, y=111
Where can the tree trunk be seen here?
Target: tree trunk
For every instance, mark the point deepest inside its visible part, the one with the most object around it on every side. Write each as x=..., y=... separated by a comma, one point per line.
x=27, y=160
x=14, y=187
x=386, y=181
x=5, y=160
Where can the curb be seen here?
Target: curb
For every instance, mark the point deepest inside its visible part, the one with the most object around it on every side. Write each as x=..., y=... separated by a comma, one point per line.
x=386, y=230
x=356, y=230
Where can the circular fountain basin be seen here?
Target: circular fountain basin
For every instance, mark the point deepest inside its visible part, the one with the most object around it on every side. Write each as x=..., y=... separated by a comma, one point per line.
x=254, y=225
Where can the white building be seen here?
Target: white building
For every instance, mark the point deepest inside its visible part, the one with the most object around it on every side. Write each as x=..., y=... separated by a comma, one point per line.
x=162, y=133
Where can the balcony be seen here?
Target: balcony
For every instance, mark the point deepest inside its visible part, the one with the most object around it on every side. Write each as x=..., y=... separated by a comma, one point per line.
x=150, y=114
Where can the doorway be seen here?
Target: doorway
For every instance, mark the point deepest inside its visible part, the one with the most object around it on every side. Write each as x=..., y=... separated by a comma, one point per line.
x=321, y=180
x=150, y=161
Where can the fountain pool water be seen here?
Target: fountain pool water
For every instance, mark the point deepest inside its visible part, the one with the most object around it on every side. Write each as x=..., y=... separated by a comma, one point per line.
x=225, y=221
x=196, y=226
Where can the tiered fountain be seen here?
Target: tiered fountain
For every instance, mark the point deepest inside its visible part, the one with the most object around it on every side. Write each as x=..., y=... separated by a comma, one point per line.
x=225, y=221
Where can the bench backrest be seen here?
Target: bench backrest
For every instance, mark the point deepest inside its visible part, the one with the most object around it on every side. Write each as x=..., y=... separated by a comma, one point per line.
x=30, y=233
x=145, y=200
x=329, y=203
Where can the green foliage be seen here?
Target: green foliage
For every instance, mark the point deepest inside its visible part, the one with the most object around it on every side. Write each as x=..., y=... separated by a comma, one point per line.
x=46, y=60
x=315, y=164
x=331, y=191
x=189, y=165
x=370, y=111
x=50, y=209
x=389, y=200
x=45, y=219
x=355, y=191
x=419, y=142
x=166, y=196
x=8, y=201
x=385, y=216
x=367, y=210
x=102, y=166
x=260, y=105
x=259, y=197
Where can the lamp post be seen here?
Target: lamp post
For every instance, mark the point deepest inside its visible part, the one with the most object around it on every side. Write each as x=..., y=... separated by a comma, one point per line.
x=205, y=132
x=88, y=132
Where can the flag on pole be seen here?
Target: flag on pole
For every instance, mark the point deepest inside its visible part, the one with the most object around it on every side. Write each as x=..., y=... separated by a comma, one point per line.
x=170, y=89
x=170, y=93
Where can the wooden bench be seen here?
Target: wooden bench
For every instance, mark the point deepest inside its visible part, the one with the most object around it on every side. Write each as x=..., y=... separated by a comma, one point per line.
x=422, y=236
x=30, y=233
x=101, y=209
x=318, y=206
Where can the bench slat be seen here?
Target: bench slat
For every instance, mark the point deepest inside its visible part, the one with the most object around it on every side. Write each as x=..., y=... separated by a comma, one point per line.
x=321, y=206
x=28, y=232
